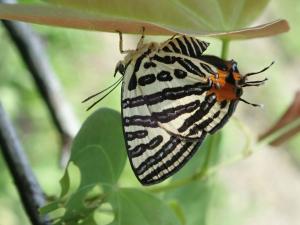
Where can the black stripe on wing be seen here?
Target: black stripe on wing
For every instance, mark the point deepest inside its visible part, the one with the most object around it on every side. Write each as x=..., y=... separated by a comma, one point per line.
x=186, y=45
x=140, y=149
x=163, y=116
x=171, y=166
x=138, y=134
x=203, y=110
x=166, y=94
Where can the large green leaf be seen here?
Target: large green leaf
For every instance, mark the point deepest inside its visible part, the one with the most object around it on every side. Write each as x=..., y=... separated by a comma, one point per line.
x=135, y=207
x=221, y=18
x=98, y=152
x=209, y=15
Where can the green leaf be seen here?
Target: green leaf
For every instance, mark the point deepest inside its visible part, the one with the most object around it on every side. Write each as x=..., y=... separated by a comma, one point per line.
x=195, y=197
x=64, y=184
x=98, y=149
x=178, y=210
x=50, y=207
x=98, y=152
x=220, y=18
x=135, y=207
x=210, y=15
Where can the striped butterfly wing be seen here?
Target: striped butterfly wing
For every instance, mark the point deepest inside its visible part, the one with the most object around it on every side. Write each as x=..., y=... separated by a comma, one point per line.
x=185, y=54
x=167, y=111
x=185, y=45
x=194, y=111
x=154, y=152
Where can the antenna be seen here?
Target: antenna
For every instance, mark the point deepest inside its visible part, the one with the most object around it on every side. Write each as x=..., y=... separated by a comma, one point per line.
x=249, y=103
x=264, y=69
x=111, y=87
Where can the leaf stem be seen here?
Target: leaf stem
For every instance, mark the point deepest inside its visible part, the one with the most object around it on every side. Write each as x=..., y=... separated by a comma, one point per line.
x=225, y=48
x=281, y=131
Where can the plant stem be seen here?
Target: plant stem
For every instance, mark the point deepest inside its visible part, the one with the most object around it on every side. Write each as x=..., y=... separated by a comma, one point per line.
x=273, y=136
x=225, y=48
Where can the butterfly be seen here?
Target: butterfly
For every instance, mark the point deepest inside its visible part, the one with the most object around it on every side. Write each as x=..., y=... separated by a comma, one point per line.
x=173, y=96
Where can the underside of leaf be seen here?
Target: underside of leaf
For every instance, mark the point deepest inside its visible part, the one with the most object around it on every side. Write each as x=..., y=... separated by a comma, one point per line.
x=75, y=18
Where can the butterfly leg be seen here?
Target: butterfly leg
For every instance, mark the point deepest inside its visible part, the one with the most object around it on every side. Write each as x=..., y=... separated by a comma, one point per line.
x=121, y=44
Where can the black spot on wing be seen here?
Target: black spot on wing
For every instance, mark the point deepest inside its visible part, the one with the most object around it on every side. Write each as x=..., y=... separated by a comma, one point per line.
x=149, y=64
x=133, y=79
x=164, y=76
x=180, y=74
x=147, y=79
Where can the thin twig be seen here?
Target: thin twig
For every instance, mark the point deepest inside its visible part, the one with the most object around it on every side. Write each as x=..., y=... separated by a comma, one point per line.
x=33, y=53
x=29, y=190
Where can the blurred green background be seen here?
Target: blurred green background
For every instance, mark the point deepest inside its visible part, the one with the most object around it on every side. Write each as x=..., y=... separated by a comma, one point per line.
x=263, y=189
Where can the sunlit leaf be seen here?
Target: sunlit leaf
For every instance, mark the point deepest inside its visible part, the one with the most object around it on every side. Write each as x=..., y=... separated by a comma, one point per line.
x=134, y=207
x=223, y=18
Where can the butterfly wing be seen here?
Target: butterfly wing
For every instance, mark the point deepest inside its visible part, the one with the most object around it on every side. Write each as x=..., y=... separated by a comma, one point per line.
x=167, y=112
x=185, y=45
x=154, y=152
